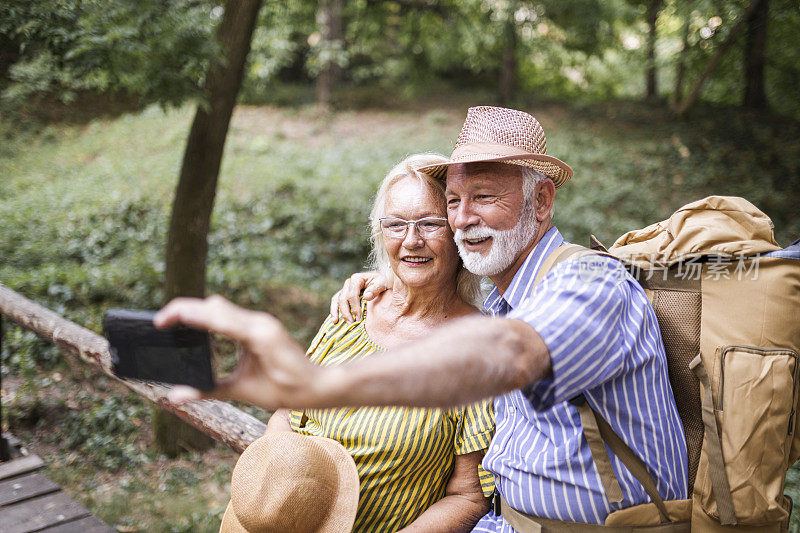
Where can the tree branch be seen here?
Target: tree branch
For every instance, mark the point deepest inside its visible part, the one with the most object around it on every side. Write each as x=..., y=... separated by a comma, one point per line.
x=714, y=62
x=217, y=419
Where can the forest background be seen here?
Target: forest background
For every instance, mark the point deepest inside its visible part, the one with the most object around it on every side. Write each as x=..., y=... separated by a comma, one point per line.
x=654, y=103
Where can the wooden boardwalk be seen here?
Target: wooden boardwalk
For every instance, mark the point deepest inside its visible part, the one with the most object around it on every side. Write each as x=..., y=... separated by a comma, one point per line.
x=31, y=502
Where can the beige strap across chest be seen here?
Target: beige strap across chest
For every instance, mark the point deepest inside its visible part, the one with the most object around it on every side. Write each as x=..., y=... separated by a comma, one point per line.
x=524, y=523
x=562, y=253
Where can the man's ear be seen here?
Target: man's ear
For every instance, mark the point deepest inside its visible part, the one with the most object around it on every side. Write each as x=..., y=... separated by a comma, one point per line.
x=545, y=195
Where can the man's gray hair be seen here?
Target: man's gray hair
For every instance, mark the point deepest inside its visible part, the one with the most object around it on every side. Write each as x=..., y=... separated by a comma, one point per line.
x=530, y=179
x=468, y=285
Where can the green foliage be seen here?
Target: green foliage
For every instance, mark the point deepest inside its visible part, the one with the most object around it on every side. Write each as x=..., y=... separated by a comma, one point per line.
x=327, y=241
x=105, y=431
x=281, y=37
x=783, y=57
x=586, y=22
x=26, y=354
x=402, y=48
x=709, y=24
x=792, y=490
x=158, y=50
x=586, y=50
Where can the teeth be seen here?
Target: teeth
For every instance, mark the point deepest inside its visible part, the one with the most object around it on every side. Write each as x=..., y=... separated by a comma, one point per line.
x=417, y=259
x=476, y=241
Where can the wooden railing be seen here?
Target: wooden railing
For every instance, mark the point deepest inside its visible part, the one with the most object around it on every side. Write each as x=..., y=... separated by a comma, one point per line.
x=219, y=420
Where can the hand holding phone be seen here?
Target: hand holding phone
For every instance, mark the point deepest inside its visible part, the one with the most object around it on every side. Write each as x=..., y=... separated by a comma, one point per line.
x=179, y=355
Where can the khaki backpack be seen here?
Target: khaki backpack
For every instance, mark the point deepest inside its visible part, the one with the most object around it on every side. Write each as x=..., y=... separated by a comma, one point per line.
x=730, y=321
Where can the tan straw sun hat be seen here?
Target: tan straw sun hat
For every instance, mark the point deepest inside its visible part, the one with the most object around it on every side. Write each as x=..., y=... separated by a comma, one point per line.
x=505, y=136
x=286, y=482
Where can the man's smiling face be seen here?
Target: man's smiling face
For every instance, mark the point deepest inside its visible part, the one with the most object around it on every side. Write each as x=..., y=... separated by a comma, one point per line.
x=486, y=208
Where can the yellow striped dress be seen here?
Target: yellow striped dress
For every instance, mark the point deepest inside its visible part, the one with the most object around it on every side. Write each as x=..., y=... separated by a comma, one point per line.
x=404, y=455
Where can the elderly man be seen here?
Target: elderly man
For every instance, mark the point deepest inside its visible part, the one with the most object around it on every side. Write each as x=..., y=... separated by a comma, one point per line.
x=581, y=339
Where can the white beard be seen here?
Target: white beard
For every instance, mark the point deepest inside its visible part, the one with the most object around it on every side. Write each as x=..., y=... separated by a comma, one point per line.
x=506, y=244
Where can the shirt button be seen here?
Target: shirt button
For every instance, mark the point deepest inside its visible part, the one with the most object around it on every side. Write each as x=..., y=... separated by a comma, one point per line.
x=510, y=409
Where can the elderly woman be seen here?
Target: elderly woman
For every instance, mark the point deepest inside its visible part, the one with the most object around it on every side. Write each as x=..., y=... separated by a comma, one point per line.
x=419, y=468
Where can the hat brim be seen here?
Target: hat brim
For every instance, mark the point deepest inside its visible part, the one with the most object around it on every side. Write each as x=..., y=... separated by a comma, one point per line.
x=231, y=524
x=342, y=514
x=550, y=166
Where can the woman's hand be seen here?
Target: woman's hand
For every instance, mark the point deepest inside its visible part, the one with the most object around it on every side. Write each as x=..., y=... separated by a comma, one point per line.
x=463, y=503
x=347, y=302
x=272, y=370
x=279, y=421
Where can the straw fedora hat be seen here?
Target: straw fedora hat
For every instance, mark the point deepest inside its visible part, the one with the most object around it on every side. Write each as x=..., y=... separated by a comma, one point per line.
x=504, y=136
x=287, y=482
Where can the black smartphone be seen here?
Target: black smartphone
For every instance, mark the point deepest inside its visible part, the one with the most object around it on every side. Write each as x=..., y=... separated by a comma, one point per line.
x=180, y=355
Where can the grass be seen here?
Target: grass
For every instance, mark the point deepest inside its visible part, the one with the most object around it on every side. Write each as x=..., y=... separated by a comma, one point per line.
x=85, y=206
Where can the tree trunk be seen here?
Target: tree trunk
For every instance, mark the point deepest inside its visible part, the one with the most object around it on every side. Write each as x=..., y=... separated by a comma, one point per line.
x=754, y=53
x=508, y=72
x=680, y=71
x=329, y=17
x=9, y=54
x=652, y=17
x=713, y=63
x=5, y=449
x=187, y=244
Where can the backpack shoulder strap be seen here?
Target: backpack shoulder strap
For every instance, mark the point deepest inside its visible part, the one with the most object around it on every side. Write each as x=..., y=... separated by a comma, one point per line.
x=595, y=429
x=562, y=253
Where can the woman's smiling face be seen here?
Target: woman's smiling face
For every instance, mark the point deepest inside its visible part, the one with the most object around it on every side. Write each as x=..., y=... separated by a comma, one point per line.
x=416, y=260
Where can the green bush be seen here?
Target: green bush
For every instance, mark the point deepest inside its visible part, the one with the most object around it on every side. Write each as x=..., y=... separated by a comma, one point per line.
x=104, y=431
x=158, y=50
x=26, y=354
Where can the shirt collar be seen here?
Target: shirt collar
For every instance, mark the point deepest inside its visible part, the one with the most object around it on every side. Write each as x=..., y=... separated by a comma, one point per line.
x=521, y=286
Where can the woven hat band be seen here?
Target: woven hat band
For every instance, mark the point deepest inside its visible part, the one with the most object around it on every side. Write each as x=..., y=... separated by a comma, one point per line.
x=465, y=151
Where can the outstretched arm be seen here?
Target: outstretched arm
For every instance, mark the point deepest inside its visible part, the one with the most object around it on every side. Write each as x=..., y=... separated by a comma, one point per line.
x=464, y=361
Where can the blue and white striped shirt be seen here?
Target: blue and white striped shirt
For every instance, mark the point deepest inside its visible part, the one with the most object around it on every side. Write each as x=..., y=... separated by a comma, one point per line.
x=790, y=252
x=604, y=342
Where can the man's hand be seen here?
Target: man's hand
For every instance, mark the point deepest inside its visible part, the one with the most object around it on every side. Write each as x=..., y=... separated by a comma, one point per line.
x=346, y=303
x=272, y=370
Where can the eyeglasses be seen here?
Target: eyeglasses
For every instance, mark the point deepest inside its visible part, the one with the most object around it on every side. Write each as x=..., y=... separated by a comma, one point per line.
x=427, y=227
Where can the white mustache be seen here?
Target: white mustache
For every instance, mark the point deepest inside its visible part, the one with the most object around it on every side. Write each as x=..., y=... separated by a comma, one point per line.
x=474, y=233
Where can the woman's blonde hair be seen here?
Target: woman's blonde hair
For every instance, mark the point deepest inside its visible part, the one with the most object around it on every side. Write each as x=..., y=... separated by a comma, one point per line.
x=468, y=285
